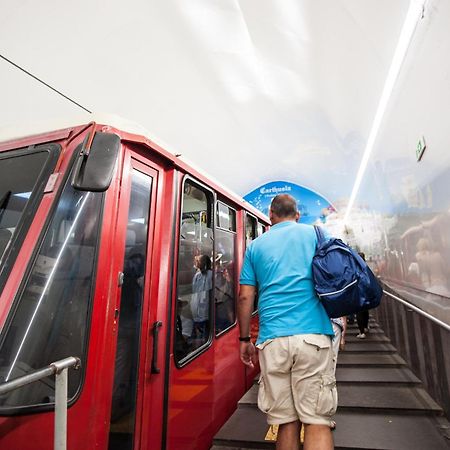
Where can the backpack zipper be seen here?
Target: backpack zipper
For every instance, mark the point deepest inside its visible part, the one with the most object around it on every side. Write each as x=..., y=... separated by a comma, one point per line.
x=340, y=290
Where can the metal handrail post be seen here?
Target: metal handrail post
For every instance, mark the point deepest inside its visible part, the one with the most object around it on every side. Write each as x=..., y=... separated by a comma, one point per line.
x=59, y=368
x=61, y=410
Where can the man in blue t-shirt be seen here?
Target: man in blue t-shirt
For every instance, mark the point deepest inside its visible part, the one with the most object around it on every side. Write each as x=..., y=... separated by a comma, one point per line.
x=297, y=383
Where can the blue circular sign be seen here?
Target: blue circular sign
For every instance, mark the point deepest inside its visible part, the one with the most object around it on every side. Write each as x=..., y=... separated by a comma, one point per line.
x=312, y=206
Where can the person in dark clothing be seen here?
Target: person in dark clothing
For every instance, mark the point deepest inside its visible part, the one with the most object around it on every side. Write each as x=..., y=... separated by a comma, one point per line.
x=363, y=324
x=362, y=317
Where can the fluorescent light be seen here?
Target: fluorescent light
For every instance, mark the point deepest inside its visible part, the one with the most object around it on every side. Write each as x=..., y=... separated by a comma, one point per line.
x=412, y=17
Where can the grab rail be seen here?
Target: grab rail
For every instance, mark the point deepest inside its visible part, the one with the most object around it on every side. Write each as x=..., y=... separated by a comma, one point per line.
x=419, y=311
x=59, y=369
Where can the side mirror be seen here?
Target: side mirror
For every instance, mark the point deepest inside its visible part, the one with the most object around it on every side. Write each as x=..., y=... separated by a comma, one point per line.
x=94, y=167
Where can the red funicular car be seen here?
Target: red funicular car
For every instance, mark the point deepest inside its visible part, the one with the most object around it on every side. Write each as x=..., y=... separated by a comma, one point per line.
x=117, y=252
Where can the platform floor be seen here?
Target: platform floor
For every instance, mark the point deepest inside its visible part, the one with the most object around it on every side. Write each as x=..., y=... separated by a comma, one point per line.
x=382, y=405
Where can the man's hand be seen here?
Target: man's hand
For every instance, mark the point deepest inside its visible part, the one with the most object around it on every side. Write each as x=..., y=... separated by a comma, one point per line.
x=248, y=354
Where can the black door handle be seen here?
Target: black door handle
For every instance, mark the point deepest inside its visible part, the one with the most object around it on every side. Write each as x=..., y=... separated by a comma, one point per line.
x=156, y=326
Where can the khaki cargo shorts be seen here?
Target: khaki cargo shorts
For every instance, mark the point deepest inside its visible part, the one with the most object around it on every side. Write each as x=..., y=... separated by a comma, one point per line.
x=297, y=379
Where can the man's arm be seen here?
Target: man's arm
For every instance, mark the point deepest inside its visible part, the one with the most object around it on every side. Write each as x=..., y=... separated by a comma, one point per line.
x=244, y=313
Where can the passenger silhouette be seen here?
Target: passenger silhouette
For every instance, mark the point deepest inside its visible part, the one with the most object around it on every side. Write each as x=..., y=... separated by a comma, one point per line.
x=224, y=298
x=362, y=317
x=128, y=338
x=201, y=298
x=432, y=269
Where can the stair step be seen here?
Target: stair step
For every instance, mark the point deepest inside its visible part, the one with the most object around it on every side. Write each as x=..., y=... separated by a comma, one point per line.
x=354, y=331
x=247, y=428
x=372, y=398
x=378, y=337
x=382, y=375
x=387, y=432
x=387, y=399
x=366, y=347
x=369, y=360
x=221, y=447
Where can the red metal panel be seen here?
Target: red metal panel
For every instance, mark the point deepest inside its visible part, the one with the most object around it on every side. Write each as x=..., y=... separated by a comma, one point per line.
x=86, y=418
x=202, y=394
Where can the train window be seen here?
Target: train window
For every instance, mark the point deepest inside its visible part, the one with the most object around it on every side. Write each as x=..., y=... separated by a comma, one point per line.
x=253, y=229
x=50, y=320
x=123, y=409
x=195, y=278
x=18, y=178
x=250, y=229
x=224, y=269
x=226, y=217
x=261, y=229
x=23, y=175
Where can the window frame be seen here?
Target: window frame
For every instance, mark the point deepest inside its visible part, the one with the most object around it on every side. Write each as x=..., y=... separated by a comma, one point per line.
x=263, y=228
x=255, y=227
x=54, y=151
x=255, y=231
x=234, y=232
x=66, y=180
x=211, y=197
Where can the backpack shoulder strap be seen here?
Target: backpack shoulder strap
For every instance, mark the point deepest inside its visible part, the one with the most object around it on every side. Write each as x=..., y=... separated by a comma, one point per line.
x=319, y=234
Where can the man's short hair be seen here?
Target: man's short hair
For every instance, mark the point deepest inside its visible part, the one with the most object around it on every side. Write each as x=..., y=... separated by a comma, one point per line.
x=284, y=205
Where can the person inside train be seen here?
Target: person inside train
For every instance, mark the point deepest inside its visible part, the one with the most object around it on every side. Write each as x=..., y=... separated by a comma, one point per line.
x=128, y=337
x=224, y=296
x=201, y=298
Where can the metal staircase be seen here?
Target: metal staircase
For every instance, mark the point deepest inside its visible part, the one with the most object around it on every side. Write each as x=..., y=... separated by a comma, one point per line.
x=382, y=404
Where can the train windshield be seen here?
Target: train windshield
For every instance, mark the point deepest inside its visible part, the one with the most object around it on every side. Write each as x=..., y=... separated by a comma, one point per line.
x=19, y=174
x=50, y=316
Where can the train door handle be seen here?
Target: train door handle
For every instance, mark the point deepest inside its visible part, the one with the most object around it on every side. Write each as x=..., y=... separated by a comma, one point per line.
x=156, y=326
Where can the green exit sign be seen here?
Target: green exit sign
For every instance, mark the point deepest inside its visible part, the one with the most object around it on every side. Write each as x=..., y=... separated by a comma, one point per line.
x=420, y=148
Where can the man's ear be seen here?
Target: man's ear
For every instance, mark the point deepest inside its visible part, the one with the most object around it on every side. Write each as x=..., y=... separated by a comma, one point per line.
x=297, y=216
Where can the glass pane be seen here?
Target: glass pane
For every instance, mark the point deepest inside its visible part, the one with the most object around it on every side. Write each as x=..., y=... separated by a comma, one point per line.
x=232, y=226
x=223, y=216
x=18, y=176
x=250, y=235
x=224, y=280
x=51, y=319
x=123, y=410
x=194, y=292
x=226, y=217
x=261, y=229
x=250, y=229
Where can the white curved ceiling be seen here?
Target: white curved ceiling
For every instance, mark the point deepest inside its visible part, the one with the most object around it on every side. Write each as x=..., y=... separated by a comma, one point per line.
x=250, y=90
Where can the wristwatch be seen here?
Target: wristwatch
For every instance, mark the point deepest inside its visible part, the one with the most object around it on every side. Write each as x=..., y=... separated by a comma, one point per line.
x=244, y=339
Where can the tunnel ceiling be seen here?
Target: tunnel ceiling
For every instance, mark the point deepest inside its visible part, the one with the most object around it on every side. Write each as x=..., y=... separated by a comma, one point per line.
x=251, y=91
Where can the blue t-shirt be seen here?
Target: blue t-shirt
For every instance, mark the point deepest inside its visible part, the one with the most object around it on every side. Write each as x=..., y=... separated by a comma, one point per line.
x=279, y=264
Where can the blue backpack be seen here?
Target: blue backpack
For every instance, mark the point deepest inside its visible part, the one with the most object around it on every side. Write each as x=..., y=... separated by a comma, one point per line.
x=342, y=279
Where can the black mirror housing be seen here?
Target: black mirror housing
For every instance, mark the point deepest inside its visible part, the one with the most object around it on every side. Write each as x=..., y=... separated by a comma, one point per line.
x=94, y=170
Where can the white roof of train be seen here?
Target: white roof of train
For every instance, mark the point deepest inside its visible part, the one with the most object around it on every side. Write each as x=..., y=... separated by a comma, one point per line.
x=10, y=132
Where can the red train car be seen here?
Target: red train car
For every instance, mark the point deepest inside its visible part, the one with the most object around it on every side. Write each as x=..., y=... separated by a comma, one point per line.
x=116, y=251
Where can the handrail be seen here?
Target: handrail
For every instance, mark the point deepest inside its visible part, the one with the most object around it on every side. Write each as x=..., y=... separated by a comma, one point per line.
x=419, y=311
x=59, y=369
x=39, y=374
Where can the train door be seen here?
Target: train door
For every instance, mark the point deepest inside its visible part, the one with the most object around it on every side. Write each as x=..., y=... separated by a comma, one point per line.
x=191, y=387
x=134, y=308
